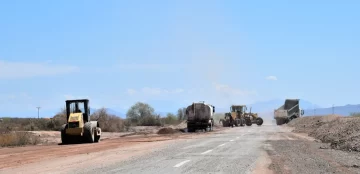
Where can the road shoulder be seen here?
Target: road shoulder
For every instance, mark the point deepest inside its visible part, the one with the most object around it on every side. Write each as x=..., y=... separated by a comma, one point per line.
x=295, y=153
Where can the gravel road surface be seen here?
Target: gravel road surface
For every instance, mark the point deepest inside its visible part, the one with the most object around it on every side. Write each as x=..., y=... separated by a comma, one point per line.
x=235, y=150
x=255, y=149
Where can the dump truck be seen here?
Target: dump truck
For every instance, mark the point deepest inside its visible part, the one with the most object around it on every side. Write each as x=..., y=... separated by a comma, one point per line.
x=200, y=116
x=79, y=128
x=288, y=111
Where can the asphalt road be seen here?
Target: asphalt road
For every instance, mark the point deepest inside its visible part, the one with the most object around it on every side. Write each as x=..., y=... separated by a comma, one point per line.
x=255, y=149
x=235, y=150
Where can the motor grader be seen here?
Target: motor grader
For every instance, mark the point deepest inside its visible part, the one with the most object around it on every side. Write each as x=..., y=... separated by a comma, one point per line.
x=253, y=118
x=239, y=117
x=79, y=128
x=235, y=117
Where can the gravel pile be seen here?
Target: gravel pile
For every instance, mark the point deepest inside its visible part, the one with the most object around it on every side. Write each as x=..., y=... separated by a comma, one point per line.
x=342, y=133
x=167, y=130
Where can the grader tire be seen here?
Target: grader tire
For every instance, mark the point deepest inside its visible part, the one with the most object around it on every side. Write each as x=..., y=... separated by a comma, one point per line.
x=248, y=122
x=89, y=133
x=259, y=121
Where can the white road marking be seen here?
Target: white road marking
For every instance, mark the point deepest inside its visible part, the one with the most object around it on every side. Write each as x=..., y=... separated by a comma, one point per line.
x=187, y=147
x=221, y=145
x=206, y=152
x=237, y=137
x=231, y=140
x=182, y=163
x=288, y=138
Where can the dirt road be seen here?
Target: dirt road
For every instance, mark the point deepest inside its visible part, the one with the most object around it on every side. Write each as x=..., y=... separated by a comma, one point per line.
x=265, y=149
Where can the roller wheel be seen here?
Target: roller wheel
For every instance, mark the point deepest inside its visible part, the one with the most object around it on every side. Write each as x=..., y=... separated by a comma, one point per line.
x=97, y=137
x=89, y=132
x=64, y=137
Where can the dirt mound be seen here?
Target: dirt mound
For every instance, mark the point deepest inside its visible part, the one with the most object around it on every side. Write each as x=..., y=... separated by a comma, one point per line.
x=167, y=130
x=341, y=132
x=311, y=123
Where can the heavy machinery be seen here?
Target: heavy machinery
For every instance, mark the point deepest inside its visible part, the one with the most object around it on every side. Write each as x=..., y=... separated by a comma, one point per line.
x=253, y=118
x=236, y=116
x=288, y=111
x=200, y=116
x=239, y=117
x=78, y=126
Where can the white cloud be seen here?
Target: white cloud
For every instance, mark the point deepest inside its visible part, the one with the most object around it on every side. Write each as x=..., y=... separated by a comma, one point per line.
x=271, y=78
x=233, y=91
x=10, y=70
x=131, y=91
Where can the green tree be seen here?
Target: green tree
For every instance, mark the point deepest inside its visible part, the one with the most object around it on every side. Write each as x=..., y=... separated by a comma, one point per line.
x=170, y=119
x=142, y=114
x=181, y=114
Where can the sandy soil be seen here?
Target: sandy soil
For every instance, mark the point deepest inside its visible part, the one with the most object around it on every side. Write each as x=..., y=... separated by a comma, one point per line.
x=53, y=137
x=13, y=158
x=341, y=133
x=298, y=148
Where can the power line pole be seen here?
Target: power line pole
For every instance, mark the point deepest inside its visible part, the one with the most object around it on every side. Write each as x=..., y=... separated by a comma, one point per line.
x=38, y=111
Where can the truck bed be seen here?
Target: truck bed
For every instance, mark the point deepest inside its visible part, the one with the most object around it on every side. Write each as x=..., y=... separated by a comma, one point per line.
x=280, y=113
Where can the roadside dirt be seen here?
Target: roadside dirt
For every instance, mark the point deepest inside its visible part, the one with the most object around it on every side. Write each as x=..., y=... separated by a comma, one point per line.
x=296, y=153
x=11, y=158
x=53, y=137
x=341, y=133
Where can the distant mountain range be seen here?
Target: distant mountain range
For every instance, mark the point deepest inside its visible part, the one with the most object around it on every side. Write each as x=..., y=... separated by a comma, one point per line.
x=339, y=110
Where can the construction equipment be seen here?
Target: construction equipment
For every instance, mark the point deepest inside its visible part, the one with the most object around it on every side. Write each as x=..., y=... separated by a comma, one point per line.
x=288, y=111
x=78, y=126
x=239, y=117
x=200, y=116
x=235, y=117
x=253, y=118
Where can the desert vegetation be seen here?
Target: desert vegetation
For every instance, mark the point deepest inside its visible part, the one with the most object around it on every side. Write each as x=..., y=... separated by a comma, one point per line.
x=15, y=131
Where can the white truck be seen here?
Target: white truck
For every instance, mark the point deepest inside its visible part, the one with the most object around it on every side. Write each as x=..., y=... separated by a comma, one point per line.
x=288, y=111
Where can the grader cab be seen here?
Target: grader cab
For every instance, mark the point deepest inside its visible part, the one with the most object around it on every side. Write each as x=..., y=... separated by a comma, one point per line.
x=78, y=126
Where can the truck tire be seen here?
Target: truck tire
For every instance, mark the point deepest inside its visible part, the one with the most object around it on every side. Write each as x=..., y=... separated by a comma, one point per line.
x=259, y=121
x=89, y=132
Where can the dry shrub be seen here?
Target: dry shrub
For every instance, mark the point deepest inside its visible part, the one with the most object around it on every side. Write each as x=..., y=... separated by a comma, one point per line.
x=18, y=139
x=108, y=122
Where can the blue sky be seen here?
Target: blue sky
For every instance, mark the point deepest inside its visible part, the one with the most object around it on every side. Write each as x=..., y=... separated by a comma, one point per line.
x=171, y=53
